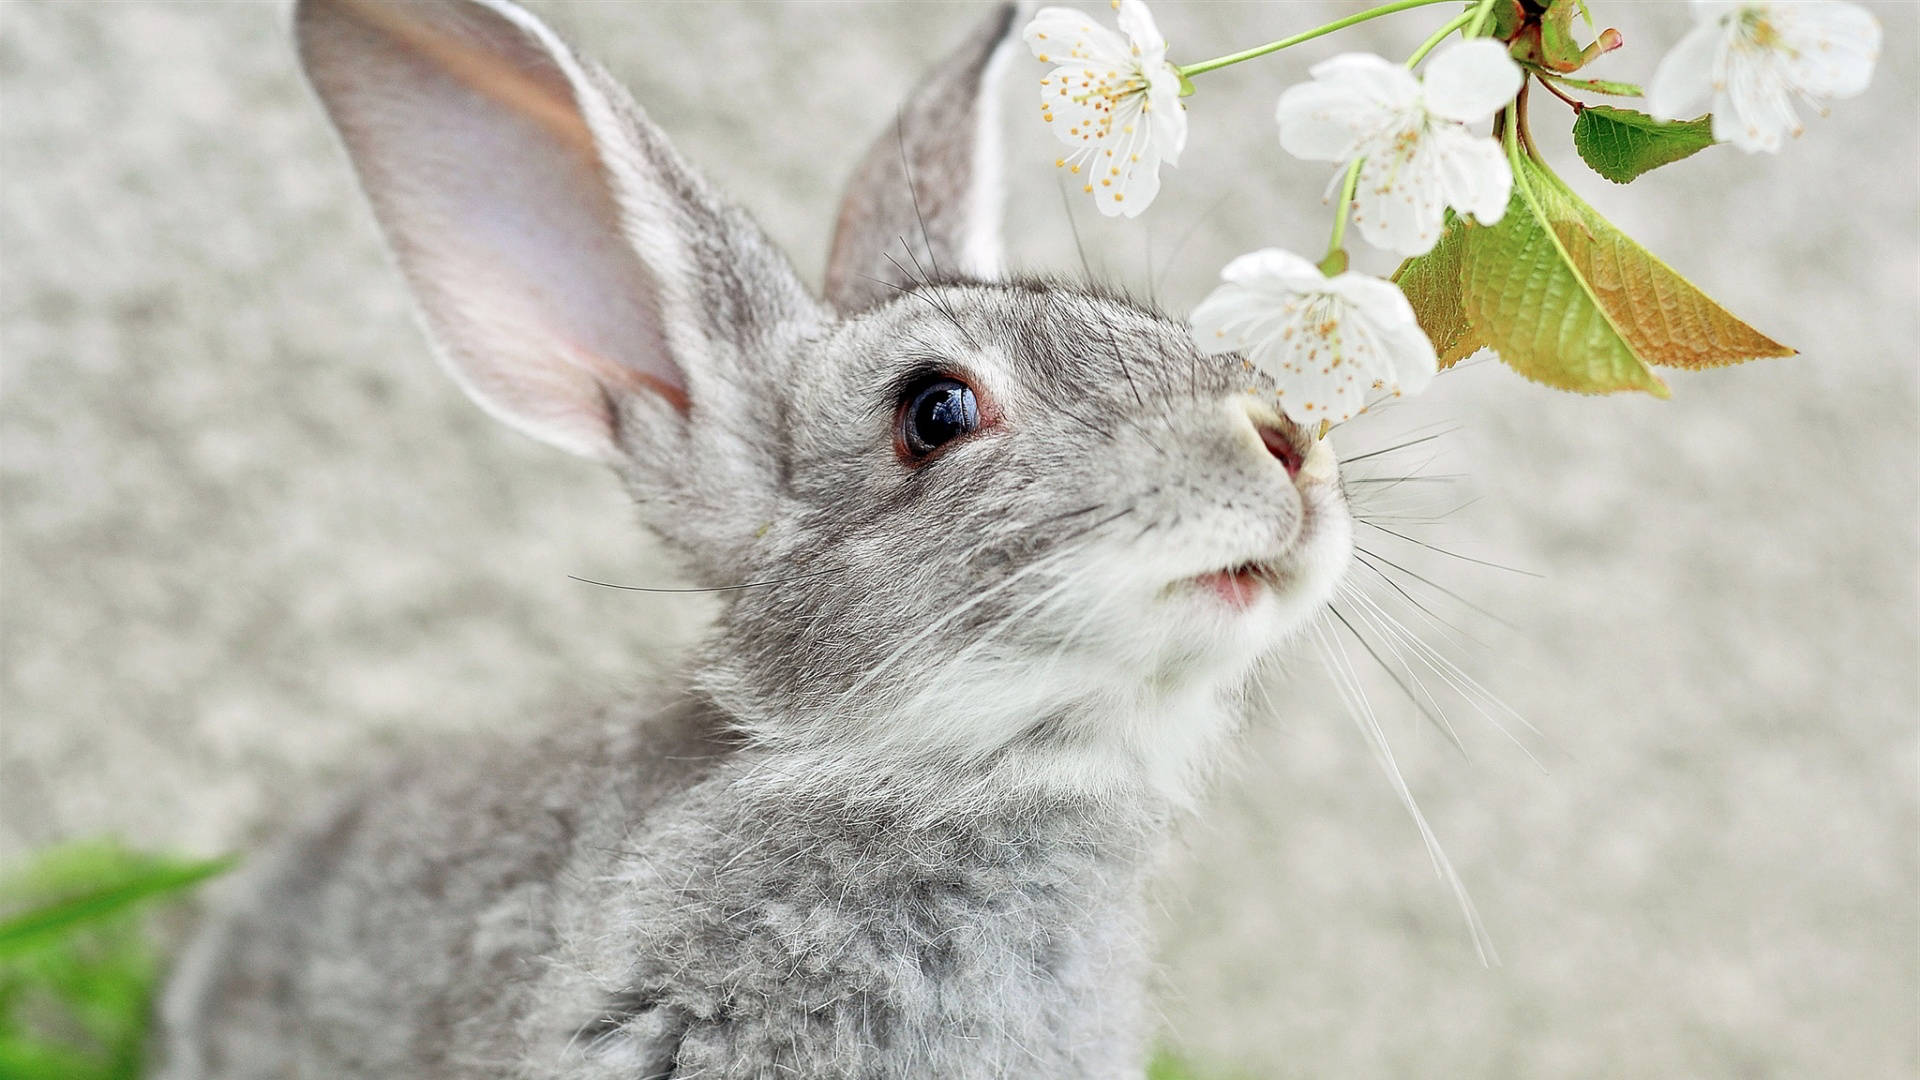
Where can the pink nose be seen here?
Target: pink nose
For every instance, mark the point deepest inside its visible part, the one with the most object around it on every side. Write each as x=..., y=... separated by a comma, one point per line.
x=1282, y=446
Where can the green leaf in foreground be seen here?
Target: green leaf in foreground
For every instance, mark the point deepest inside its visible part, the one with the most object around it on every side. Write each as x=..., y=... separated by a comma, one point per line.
x=87, y=884
x=1566, y=299
x=1622, y=145
x=77, y=972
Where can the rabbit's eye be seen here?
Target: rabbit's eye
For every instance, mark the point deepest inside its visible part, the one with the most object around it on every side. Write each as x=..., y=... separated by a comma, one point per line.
x=935, y=413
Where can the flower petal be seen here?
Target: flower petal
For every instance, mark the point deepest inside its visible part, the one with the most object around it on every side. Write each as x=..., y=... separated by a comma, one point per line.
x=1326, y=342
x=1232, y=318
x=1144, y=37
x=1077, y=114
x=1059, y=35
x=1276, y=268
x=1370, y=78
x=1165, y=114
x=1325, y=122
x=1470, y=81
x=1410, y=360
x=1399, y=204
x=1684, y=81
x=1757, y=113
x=1473, y=171
x=1828, y=49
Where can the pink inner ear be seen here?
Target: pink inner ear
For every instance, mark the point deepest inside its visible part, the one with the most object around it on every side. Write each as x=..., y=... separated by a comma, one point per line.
x=613, y=375
x=468, y=136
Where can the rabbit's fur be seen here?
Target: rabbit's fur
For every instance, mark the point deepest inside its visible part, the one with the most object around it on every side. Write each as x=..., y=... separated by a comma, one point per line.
x=895, y=819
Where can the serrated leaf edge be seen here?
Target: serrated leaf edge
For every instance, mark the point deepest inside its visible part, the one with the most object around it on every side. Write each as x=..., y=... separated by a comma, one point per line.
x=1587, y=214
x=1658, y=387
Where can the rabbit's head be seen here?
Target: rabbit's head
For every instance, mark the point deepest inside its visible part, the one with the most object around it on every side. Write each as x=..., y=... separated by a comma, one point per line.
x=967, y=525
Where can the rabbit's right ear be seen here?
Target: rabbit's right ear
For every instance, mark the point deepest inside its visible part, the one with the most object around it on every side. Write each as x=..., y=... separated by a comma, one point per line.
x=930, y=190
x=574, y=271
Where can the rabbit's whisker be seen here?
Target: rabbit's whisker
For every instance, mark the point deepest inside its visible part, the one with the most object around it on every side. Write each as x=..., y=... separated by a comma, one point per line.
x=957, y=611
x=1435, y=478
x=1444, y=551
x=1347, y=682
x=1181, y=245
x=711, y=588
x=1372, y=496
x=913, y=193
x=1086, y=423
x=1047, y=562
x=1346, y=462
x=1126, y=369
x=1051, y=518
x=1431, y=584
x=920, y=282
x=1108, y=520
x=1423, y=699
x=1080, y=249
x=1468, y=687
x=1426, y=612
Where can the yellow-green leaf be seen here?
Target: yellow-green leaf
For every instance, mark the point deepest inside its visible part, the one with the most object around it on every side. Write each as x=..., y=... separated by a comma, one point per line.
x=1432, y=285
x=1666, y=319
x=1622, y=145
x=1568, y=300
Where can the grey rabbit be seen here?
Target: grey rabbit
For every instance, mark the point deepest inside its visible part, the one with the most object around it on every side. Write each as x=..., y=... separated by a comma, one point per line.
x=1000, y=557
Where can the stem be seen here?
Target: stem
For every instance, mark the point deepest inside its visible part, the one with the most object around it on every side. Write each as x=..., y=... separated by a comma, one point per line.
x=1592, y=86
x=1578, y=107
x=1510, y=140
x=1520, y=120
x=1347, y=188
x=1439, y=36
x=1217, y=62
x=1480, y=16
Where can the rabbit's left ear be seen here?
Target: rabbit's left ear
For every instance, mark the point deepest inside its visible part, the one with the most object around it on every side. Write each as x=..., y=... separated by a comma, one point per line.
x=581, y=281
x=930, y=190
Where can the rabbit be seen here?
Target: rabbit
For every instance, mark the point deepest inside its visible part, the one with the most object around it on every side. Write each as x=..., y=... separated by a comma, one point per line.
x=998, y=555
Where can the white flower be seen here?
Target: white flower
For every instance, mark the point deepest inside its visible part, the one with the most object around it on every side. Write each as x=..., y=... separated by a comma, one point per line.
x=1751, y=59
x=1420, y=157
x=1115, y=102
x=1326, y=341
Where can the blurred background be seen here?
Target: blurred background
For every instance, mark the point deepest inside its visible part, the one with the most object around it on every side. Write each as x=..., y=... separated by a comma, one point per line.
x=251, y=539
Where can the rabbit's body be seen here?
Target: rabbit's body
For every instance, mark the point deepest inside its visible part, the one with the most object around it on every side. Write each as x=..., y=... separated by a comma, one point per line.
x=639, y=898
x=998, y=560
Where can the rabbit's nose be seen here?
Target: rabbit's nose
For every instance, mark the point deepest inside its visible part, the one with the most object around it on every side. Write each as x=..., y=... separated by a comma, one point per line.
x=1283, y=445
x=1306, y=458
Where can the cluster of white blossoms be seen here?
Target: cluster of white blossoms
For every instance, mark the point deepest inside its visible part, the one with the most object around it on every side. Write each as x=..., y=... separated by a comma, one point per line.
x=1411, y=147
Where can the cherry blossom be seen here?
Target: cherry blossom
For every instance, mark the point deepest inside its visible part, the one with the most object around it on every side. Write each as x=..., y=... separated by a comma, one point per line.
x=1418, y=156
x=1113, y=100
x=1326, y=341
x=1752, y=59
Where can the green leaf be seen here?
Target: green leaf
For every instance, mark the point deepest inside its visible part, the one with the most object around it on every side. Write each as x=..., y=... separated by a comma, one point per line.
x=1432, y=284
x=121, y=882
x=77, y=971
x=1566, y=299
x=1601, y=86
x=1621, y=144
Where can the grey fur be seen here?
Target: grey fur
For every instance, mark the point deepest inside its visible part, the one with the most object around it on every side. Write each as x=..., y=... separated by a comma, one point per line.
x=895, y=819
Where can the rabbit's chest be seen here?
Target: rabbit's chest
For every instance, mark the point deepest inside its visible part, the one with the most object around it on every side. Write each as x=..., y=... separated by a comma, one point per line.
x=844, y=957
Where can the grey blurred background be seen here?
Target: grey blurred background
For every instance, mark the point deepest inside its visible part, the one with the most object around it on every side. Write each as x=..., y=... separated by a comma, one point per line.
x=253, y=538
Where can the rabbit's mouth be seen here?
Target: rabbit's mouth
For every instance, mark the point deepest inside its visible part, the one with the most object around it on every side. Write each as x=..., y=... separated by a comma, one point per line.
x=1238, y=587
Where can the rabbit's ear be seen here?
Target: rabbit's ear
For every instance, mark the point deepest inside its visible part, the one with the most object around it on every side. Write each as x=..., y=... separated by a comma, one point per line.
x=572, y=268
x=930, y=190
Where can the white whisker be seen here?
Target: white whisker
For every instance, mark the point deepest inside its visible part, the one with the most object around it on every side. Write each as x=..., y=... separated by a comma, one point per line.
x=1347, y=682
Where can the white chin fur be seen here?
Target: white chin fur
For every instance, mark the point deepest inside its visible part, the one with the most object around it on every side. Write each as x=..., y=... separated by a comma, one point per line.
x=1148, y=689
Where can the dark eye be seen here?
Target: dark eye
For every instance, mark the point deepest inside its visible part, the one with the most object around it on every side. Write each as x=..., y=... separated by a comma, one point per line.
x=935, y=413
